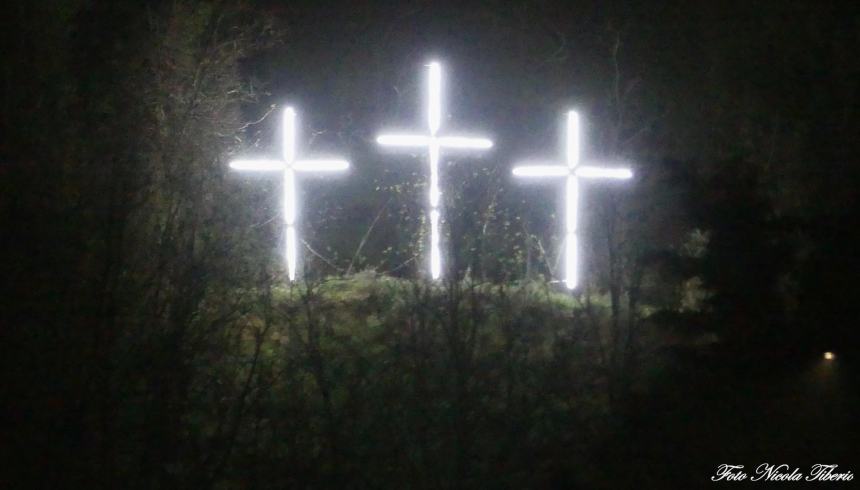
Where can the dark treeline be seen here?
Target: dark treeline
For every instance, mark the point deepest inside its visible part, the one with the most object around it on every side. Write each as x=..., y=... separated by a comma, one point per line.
x=150, y=339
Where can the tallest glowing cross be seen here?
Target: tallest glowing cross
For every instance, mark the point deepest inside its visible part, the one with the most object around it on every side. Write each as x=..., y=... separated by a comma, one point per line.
x=572, y=172
x=434, y=143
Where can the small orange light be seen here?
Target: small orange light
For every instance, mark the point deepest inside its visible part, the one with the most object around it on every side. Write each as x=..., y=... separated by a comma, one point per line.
x=829, y=356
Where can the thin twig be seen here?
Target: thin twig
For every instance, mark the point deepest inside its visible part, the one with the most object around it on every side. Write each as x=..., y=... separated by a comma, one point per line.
x=367, y=234
x=400, y=266
x=257, y=225
x=330, y=263
x=258, y=121
x=545, y=256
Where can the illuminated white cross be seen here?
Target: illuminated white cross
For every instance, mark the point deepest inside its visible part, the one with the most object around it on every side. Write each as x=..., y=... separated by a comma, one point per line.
x=572, y=172
x=434, y=143
x=289, y=165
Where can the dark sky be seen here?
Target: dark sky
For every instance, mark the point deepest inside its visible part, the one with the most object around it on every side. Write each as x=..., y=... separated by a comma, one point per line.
x=697, y=82
x=689, y=69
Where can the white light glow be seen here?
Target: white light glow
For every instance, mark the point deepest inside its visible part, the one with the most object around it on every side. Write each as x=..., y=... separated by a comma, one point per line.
x=434, y=144
x=435, y=193
x=572, y=173
x=571, y=204
x=571, y=275
x=291, y=252
x=289, y=196
x=572, y=139
x=434, y=102
x=289, y=166
x=288, y=128
x=435, y=256
x=603, y=173
x=829, y=356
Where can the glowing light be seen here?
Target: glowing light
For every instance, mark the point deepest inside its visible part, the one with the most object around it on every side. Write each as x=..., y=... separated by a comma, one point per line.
x=435, y=256
x=289, y=165
x=572, y=139
x=434, y=97
x=290, y=253
x=434, y=145
x=572, y=172
x=829, y=356
x=603, y=173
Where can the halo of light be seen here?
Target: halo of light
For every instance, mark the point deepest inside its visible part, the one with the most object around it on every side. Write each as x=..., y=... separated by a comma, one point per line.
x=572, y=172
x=434, y=145
x=289, y=166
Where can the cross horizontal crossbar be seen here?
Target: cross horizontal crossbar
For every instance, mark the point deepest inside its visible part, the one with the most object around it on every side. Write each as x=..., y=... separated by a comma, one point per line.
x=584, y=171
x=409, y=140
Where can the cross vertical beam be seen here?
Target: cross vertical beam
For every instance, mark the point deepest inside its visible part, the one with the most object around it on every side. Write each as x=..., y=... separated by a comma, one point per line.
x=434, y=145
